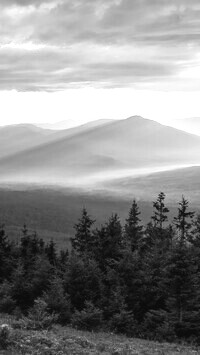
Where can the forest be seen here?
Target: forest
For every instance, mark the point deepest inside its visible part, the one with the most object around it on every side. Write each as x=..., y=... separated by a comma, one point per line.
x=139, y=280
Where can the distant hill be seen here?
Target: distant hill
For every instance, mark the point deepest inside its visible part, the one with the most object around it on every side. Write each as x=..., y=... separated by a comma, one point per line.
x=174, y=183
x=68, y=124
x=190, y=125
x=107, y=149
x=17, y=138
x=64, y=133
x=53, y=213
x=22, y=137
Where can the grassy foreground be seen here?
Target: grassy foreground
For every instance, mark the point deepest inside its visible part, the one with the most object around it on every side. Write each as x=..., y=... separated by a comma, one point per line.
x=68, y=341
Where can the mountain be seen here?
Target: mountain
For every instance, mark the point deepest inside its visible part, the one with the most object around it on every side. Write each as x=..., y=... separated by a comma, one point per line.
x=190, y=125
x=57, y=125
x=64, y=133
x=67, y=124
x=102, y=152
x=175, y=183
x=17, y=138
x=20, y=137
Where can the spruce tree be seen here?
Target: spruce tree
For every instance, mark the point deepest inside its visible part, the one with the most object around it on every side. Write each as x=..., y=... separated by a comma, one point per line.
x=157, y=232
x=6, y=262
x=182, y=282
x=50, y=251
x=82, y=242
x=133, y=229
x=160, y=211
x=109, y=242
x=195, y=232
x=183, y=221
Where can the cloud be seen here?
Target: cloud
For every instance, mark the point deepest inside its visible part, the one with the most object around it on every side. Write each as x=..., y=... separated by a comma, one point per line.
x=26, y=3
x=53, y=44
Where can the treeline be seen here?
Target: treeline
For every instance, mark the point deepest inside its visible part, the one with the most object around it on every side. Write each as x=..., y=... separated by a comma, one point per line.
x=143, y=281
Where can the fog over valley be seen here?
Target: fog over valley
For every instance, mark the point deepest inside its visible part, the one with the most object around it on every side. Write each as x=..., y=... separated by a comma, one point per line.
x=110, y=156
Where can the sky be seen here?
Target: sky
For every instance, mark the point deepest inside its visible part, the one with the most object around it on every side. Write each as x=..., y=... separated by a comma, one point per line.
x=89, y=59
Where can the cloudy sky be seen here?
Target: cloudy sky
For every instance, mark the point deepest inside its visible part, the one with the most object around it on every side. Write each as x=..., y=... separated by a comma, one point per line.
x=91, y=59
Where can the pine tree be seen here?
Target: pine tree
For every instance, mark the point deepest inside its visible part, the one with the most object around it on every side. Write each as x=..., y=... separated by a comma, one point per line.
x=133, y=229
x=24, y=244
x=6, y=262
x=160, y=212
x=50, y=251
x=109, y=242
x=83, y=240
x=194, y=238
x=57, y=301
x=182, y=282
x=183, y=221
x=62, y=261
x=82, y=281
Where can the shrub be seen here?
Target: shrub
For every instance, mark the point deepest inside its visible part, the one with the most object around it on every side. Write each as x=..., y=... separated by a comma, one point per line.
x=38, y=317
x=57, y=301
x=124, y=323
x=5, y=332
x=157, y=326
x=7, y=304
x=90, y=318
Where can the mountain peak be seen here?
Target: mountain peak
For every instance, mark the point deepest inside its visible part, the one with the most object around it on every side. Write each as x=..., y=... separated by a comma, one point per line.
x=136, y=117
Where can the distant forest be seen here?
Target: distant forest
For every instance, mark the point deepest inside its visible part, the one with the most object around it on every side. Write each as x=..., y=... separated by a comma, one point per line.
x=138, y=280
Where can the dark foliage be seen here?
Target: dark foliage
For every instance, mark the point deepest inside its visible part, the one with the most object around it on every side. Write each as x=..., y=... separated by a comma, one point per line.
x=137, y=280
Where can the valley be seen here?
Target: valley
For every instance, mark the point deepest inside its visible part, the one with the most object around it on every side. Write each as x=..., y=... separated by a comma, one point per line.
x=47, y=176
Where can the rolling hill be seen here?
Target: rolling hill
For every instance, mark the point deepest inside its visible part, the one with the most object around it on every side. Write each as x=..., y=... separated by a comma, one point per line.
x=21, y=137
x=175, y=183
x=190, y=125
x=53, y=213
x=98, y=153
x=17, y=138
x=70, y=124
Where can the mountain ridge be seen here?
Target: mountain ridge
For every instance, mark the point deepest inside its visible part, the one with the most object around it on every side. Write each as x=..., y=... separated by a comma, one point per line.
x=132, y=143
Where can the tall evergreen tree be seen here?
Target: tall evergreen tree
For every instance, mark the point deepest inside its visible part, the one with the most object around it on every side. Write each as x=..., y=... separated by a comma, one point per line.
x=183, y=221
x=109, y=242
x=50, y=251
x=182, y=282
x=195, y=233
x=6, y=262
x=83, y=240
x=133, y=229
x=160, y=211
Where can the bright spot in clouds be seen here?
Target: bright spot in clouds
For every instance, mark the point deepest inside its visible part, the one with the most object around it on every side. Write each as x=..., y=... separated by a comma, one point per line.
x=90, y=59
x=82, y=105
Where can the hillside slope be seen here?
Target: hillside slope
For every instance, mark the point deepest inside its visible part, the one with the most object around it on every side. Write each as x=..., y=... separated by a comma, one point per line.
x=65, y=340
x=17, y=138
x=190, y=125
x=125, y=144
x=175, y=183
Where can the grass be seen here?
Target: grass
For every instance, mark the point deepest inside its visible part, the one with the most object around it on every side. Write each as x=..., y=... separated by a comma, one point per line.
x=67, y=341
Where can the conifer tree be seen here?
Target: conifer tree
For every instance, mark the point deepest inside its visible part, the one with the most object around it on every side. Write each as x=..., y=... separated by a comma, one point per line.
x=3, y=238
x=82, y=281
x=109, y=242
x=5, y=254
x=195, y=233
x=160, y=211
x=83, y=240
x=180, y=280
x=63, y=258
x=57, y=301
x=183, y=221
x=158, y=233
x=133, y=229
x=50, y=251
